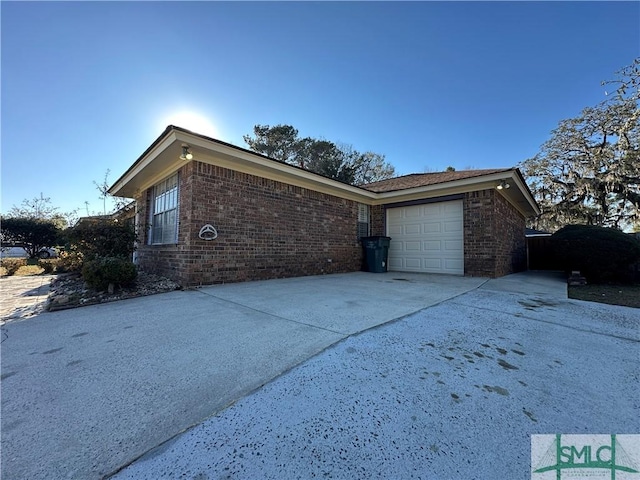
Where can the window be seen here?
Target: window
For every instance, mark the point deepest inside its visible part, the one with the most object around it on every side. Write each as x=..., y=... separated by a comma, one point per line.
x=363, y=220
x=164, y=212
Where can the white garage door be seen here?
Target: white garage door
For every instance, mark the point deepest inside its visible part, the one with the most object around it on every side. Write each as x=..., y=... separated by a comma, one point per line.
x=426, y=238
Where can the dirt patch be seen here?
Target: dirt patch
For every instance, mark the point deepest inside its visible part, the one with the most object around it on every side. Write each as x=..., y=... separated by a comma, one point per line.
x=625, y=295
x=535, y=303
x=506, y=365
x=530, y=415
x=496, y=389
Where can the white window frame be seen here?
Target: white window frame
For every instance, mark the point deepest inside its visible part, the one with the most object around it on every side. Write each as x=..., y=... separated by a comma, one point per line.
x=364, y=220
x=163, y=215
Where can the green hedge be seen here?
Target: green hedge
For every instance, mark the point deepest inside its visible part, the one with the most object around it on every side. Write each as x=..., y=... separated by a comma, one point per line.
x=103, y=272
x=102, y=238
x=600, y=254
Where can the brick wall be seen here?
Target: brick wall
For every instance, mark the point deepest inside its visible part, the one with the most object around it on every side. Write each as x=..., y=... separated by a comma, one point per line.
x=266, y=229
x=165, y=260
x=494, y=242
x=511, y=244
x=479, y=238
x=378, y=213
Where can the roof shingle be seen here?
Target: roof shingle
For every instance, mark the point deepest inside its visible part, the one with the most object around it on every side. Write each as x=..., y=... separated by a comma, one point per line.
x=423, y=179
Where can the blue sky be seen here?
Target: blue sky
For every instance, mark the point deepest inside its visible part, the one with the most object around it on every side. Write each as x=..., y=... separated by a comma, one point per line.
x=87, y=86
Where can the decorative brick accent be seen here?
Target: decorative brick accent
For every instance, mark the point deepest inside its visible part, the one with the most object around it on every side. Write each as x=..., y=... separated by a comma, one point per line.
x=266, y=229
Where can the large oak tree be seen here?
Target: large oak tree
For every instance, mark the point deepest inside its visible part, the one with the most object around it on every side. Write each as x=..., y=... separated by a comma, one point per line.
x=588, y=172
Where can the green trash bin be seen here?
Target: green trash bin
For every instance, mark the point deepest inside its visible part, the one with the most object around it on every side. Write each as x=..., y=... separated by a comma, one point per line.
x=376, y=253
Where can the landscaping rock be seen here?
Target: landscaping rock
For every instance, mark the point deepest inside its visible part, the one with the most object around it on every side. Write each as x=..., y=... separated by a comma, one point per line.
x=69, y=291
x=60, y=300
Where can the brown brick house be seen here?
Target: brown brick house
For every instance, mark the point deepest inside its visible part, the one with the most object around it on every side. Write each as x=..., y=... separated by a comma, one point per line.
x=210, y=212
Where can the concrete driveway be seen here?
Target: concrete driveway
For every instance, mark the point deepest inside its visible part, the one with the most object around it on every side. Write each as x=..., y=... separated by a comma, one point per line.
x=452, y=392
x=87, y=391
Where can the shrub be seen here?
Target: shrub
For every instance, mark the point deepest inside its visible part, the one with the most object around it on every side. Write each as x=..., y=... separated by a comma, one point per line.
x=102, y=238
x=600, y=254
x=3, y=272
x=49, y=265
x=106, y=273
x=69, y=261
x=13, y=264
x=28, y=271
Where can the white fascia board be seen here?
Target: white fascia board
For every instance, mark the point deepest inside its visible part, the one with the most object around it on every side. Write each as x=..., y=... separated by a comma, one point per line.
x=462, y=186
x=143, y=163
x=248, y=162
x=446, y=188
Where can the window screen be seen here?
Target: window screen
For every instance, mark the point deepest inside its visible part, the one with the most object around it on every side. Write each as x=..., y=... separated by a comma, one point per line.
x=164, y=220
x=363, y=220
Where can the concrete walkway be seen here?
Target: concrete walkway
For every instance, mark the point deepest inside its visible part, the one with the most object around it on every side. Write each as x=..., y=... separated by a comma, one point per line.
x=86, y=391
x=23, y=297
x=452, y=392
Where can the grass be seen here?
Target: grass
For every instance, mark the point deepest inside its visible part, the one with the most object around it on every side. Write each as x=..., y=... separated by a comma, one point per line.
x=19, y=267
x=625, y=295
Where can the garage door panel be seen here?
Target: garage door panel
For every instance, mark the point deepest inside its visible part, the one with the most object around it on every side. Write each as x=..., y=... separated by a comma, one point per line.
x=412, y=246
x=453, y=245
x=453, y=265
x=430, y=211
x=431, y=227
x=451, y=208
x=433, y=264
x=394, y=214
x=394, y=230
x=427, y=238
x=432, y=245
x=452, y=226
x=412, y=229
x=412, y=213
x=413, y=263
x=395, y=264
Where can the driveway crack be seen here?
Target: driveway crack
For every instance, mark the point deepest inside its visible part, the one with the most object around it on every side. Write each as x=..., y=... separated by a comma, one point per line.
x=273, y=315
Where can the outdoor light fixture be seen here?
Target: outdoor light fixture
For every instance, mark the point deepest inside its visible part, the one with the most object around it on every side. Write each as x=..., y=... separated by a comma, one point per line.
x=186, y=154
x=503, y=185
